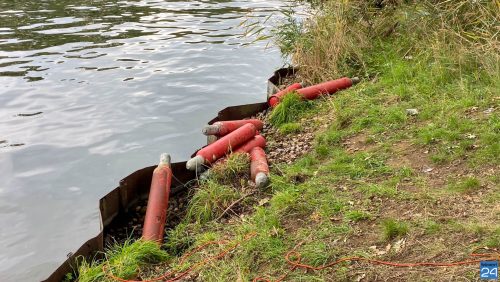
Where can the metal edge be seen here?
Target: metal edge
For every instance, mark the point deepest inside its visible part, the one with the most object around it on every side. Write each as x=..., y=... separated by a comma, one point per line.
x=276, y=80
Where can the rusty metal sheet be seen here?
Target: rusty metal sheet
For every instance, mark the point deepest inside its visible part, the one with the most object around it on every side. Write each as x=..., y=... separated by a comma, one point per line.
x=85, y=250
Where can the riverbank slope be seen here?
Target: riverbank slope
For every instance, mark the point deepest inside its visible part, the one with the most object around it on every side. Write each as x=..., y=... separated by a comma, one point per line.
x=403, y=167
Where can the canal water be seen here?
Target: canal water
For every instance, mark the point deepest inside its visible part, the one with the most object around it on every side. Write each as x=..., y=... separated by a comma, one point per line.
x=91, y=91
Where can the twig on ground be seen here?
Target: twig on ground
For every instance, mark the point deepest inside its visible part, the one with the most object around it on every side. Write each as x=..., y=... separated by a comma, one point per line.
x=233, y=204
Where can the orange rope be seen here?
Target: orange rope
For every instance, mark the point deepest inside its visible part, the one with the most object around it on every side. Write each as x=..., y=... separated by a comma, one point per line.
x=178, y=276
x=297, y=263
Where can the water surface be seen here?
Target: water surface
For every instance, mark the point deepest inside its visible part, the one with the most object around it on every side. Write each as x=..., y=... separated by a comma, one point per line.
x=91, y=91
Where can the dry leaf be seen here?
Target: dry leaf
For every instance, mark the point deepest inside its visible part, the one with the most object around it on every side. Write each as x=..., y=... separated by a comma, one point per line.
x=316, y=217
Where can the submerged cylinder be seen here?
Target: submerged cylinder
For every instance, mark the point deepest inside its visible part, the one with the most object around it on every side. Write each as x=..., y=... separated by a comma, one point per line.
x=329, y=87
x=221, y=147
x=259, y=169
x=222, y=128
x=156, y=213
x=274, y=100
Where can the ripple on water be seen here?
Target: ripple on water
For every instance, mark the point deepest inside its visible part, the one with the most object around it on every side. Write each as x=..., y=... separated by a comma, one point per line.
x=94, y=90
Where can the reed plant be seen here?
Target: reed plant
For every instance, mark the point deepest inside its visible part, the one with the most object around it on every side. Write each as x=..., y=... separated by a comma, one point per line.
x=339, y=38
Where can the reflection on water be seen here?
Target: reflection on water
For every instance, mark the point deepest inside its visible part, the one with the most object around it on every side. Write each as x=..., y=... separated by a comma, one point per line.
x=93, y=90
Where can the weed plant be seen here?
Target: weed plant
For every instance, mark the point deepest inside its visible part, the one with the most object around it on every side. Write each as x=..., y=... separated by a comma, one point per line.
x=289, y=109
x=122, y=260
x=210, y=200
x=393, y=228
x=230, y=171
x=289, y=128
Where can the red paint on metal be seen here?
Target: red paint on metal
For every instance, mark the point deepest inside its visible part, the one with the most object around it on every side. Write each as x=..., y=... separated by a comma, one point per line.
x=221, y=147
x=274, y=100
x=258, y=162
x=329, y=87
x=156, y=213
x=225, y=127
x=257, y=141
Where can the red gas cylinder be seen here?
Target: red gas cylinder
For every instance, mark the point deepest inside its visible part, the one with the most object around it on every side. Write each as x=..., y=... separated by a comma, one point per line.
x=259, y=170
x=156, y=213
x=257, y=141
x=274, y=100
x=222, y=128
x=329, y=87
x=221, y=147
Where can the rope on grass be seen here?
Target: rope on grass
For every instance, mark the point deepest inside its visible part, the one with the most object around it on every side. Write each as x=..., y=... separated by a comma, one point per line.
x=296, y=262
x=294, y=259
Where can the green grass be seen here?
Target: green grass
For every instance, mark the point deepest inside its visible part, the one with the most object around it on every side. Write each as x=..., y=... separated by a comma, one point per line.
x=431, y=227
x=493, y=240
x=356, y=215
x=289, y=109
x=90, y=272
x=466, y=185
x=392, y=229
x=233, y=168
x=331, y=137
x=380, y=190
x=316, y=253
x=322, y=151
x=210, y=201
x=289, y=128
x=181, y=237
x=122, y=260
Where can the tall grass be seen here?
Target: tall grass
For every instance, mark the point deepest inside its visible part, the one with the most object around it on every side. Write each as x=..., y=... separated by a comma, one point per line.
x=338, y=39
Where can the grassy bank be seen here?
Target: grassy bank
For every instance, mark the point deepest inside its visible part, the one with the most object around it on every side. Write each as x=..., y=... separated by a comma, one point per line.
x=404, y=167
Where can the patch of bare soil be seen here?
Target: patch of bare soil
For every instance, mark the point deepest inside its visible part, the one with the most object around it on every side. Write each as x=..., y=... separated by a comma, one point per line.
x=442, y=246
x=359, y=142
x=416, y=247
x=408, y=155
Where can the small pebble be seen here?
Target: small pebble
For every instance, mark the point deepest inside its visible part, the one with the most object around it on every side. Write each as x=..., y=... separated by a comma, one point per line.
x=412, y=112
